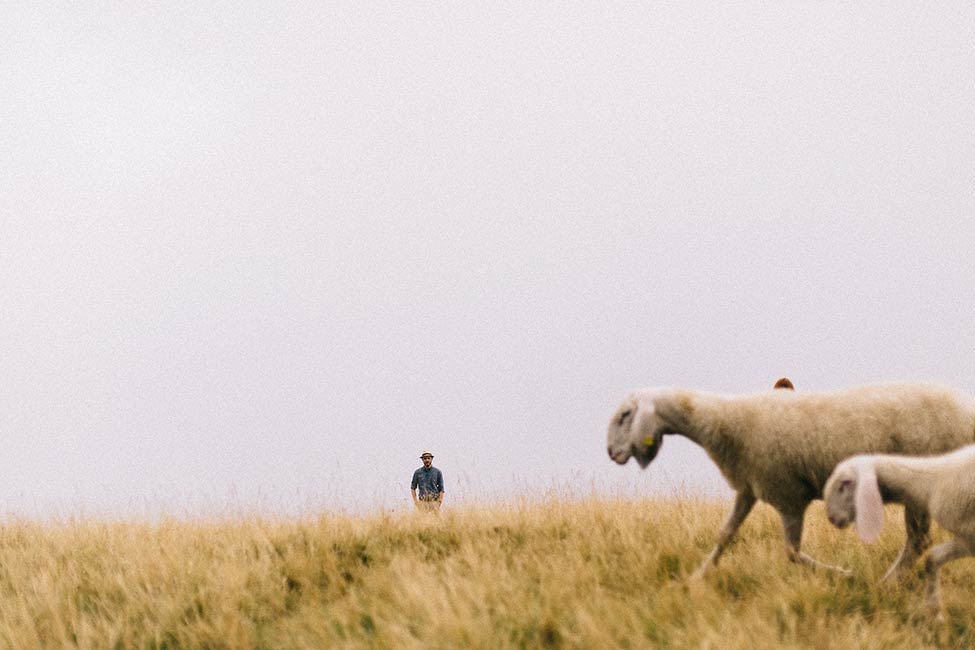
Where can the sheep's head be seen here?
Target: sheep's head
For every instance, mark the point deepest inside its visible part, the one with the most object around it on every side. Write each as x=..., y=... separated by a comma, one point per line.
x=838, y=495
x=637, y=428
x=852, y=494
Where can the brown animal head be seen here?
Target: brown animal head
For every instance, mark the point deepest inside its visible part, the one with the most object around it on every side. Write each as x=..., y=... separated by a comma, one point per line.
x=784, y=383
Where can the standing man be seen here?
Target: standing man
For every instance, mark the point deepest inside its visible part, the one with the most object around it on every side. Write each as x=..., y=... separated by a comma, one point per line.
x=430, y=481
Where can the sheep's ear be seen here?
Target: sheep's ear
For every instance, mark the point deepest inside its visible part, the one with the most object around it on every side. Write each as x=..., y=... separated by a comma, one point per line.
x=645, y=433
x=643, y=421
x=869, y=505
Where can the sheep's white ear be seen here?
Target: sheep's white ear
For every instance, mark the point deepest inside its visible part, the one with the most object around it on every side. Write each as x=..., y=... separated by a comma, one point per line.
x=643, y=422
x=869, y=505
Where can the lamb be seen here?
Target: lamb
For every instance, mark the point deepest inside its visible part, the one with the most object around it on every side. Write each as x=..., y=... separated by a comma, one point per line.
x=941, y=487
x=780, y=446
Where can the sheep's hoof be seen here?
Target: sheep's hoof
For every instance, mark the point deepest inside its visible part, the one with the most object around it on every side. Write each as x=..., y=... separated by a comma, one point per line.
x=695, y=584
x=933, y=610
x=698, y=575
x=896, y=575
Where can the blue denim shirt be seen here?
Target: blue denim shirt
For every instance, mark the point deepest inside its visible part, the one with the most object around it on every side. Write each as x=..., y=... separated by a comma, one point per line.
x=430, y=481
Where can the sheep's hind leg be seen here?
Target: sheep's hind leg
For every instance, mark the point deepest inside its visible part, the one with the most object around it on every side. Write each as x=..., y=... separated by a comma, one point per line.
x=939, y=555
x=744, y=502
x=792, y=526
x=918, y=525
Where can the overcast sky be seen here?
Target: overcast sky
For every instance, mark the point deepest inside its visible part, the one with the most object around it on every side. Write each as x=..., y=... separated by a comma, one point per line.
x=262, y=255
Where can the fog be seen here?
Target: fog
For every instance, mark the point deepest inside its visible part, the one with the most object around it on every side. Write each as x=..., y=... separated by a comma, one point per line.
x=260, y=257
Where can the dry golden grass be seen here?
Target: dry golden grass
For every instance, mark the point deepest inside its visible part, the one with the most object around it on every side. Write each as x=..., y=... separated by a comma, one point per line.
x=560, y=574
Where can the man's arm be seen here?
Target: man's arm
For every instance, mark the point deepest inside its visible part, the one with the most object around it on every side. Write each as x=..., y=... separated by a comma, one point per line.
x=440, y=487
x=415, y=502
x=413, y=487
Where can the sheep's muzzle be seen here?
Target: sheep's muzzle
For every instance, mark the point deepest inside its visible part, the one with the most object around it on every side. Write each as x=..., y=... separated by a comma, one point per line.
x=840, y=521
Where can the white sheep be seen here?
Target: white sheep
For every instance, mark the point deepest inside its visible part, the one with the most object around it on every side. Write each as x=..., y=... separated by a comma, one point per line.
x=780, y=446
x=943, y=487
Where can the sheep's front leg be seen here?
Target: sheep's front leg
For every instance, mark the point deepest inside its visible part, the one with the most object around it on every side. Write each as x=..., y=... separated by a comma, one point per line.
x=918, y=524
x=792, y=526
x=939, y=555
x=744, y=502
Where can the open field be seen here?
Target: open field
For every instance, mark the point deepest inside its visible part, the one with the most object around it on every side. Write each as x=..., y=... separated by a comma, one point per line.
x=557, y=574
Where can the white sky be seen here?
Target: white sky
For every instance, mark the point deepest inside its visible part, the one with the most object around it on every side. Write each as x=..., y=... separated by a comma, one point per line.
x=262, y=255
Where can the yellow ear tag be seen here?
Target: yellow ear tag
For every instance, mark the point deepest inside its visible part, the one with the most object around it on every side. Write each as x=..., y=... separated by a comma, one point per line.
x=648, y=441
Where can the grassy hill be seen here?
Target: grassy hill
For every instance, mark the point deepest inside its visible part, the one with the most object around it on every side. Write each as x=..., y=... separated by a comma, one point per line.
x=590, y=574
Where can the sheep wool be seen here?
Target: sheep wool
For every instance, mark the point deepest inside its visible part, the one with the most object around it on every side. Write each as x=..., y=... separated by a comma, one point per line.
x=781, y=446
x=939, y=487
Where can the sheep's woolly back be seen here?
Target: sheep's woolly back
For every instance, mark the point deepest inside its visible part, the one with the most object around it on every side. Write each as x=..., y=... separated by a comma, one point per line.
x=784, y=445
